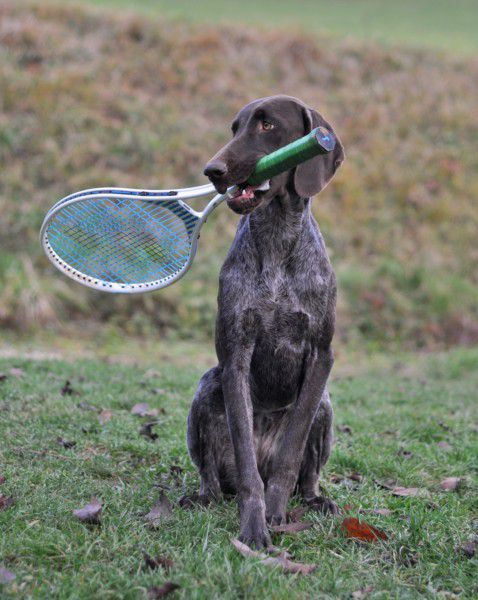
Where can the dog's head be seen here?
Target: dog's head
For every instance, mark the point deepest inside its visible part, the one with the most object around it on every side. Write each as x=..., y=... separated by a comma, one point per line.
x=261, y=127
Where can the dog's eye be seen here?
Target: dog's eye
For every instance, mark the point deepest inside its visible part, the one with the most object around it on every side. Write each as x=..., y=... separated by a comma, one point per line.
x=266, y=125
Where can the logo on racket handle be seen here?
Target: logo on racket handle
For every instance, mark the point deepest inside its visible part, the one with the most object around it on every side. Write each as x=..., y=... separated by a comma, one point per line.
x=325, y=138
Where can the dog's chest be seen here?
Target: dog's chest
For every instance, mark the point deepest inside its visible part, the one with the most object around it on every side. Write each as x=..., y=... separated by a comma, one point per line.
x=287, y=303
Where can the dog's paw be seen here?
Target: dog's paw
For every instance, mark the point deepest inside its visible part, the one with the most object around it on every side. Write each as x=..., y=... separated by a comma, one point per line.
x=254, y=530
x=276, y=518
x=255, y=537
x=323, y=505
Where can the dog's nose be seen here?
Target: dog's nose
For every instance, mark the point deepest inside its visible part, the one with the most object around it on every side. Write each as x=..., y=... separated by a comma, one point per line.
x=215, y=169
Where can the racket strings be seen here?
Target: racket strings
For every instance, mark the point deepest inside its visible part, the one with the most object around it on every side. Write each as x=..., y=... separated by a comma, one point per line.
x=121, y=240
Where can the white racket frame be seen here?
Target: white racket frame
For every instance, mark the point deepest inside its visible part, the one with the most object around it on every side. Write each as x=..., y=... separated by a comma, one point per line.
x=179, y=195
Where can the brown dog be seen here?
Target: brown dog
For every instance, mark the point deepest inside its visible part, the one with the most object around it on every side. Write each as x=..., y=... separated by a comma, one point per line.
x=261, y=421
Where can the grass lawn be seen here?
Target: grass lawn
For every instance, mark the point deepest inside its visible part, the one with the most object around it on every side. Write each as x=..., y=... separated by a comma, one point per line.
x=433, y=23
x=398, y=414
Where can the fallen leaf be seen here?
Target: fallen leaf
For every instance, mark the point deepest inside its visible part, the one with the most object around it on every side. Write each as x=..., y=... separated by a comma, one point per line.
x=146, y=430
x=281, y=561
x=6, y=502
x=353, y=528
x=105, y=415
x=6, y=576
x=193, y=500
x=450, y=484
x=336, y=478
x=142, y=410
x=405, y=453
x=159, y=561
x=87, y=406
x=151, y=373
x=389, y=484
x=384, y=512
x=158, y=391
x=160, y=511
x=65, y=443
x=403, y=491
x=345, y=429
x=296, y=514
x=161, y=591
x=176, y=470
x=354, y=476
x=16, y=372
x=3, y=376
x=2, y=479
x=90, y=513
x=444, y=446
x=363, y=593
x=291, y=527
x=67, y=390
x=468, y=548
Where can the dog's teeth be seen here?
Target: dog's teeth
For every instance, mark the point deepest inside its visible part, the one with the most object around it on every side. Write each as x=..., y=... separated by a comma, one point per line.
x=264, y=186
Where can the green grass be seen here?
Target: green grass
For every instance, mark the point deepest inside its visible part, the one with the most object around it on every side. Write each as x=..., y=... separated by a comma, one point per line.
x=413, y=403
x=433, y=23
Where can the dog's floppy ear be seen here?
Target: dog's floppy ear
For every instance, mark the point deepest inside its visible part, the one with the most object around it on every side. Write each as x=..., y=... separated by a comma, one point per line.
x=313, y=175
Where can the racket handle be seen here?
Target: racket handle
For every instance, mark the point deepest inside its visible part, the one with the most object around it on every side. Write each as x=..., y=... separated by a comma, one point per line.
x=318, y=141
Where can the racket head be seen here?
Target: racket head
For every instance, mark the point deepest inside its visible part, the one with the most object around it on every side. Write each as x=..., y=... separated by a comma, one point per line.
x=121, y=243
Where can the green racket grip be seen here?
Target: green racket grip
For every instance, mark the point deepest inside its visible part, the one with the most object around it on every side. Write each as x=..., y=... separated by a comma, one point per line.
x=318, y=141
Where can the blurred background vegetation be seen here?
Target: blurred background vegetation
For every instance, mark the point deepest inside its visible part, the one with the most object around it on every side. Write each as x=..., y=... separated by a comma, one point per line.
x=106, y=95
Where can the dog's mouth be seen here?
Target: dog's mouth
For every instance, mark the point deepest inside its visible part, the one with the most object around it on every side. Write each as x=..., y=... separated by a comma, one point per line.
x=247, y=197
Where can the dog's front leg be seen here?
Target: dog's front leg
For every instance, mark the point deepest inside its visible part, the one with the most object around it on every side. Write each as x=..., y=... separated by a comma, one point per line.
x=250, y=488
x=287, y=461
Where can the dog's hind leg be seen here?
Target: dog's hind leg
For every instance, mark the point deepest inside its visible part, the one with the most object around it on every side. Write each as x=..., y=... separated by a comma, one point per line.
x=208, y=438
x=316, y=454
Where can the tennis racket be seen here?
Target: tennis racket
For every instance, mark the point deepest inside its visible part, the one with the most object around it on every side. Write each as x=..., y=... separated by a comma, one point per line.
x=131, y=240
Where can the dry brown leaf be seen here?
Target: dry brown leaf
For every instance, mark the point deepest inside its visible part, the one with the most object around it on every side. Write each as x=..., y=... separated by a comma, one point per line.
x=281, y=561
x=193, y=500
x=151, y=373
x=363, y=593
x=294, y=527
x=353, y=528
x=160, y=511
x=403, y=491
x=65, y=443
x=17, y=372
x=445, y=446
x=67, y=390
x=88, y=406
x=296, y=514
x=90, y=513
x=6, y=502
x=384, y=512
x=468, y=548
x=6, y=576
x=142, y=410
x=105, y=415
x=156, y=592
x=160, y=561
x=158, y=391
x=451, y=484
x=146, y=430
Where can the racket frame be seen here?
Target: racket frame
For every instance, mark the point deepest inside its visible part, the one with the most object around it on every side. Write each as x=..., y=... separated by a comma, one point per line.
x=178, y=195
